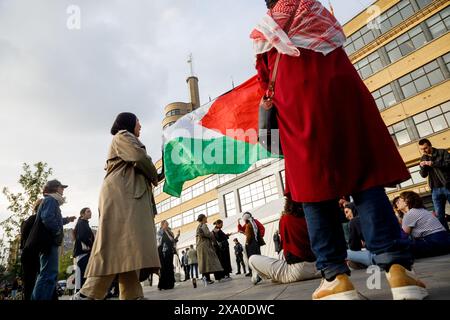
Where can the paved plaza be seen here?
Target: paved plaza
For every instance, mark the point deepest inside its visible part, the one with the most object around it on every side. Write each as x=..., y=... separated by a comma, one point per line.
x=434, y=272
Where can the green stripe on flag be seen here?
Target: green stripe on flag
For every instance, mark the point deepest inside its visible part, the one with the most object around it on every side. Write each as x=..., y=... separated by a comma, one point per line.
x=188, y=158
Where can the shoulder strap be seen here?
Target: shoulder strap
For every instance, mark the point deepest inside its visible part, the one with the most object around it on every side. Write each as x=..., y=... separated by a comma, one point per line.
x=271, y=88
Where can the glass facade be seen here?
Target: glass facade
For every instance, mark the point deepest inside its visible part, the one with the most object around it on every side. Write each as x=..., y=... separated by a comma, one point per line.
x=421, y=79
x=230, y=204
x=369, y=65
x=405, y=44
x=424, y=124
x=384, y=97
x=258, y=193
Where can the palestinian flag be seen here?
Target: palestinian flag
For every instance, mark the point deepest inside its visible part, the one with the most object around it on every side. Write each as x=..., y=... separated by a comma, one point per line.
x=220, y=137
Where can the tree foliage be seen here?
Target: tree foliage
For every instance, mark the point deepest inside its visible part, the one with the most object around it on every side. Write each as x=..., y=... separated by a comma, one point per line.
x=32, y=181
x=65, y=261
x=21, y=204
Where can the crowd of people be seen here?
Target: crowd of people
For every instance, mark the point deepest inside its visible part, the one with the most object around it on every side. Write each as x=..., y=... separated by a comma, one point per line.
x=99, y=271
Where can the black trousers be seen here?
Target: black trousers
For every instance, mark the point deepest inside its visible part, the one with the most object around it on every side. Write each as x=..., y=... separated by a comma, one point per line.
x=239, y=262
x=30, y=269
x=187, y=270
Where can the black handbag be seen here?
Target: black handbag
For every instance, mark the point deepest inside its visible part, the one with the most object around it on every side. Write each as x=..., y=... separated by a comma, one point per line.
x=268, y=130
x=40, y=240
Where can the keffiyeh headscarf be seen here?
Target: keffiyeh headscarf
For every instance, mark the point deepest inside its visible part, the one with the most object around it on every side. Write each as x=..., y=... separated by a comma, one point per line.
x=248, y=217
x=311, y=27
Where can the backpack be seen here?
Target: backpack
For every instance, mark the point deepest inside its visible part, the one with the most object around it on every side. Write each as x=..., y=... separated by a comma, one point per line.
x=261, y=228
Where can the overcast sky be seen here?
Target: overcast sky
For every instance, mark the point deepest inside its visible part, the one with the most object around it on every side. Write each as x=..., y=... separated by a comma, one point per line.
x=61, y=88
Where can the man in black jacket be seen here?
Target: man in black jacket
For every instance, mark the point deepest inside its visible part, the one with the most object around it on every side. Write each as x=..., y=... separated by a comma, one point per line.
x=435, y=164
x=84, y=239
x=238, y=251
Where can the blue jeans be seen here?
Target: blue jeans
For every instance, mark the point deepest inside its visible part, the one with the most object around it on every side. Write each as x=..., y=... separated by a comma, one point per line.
x=379, y=226
x=435, y=244
x=48, y=276
x=364, y=257
x=440, y=197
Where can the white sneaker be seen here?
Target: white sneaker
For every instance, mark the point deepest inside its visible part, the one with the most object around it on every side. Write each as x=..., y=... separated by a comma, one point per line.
x=405, y=285
x=341, y=288
x=77, y=296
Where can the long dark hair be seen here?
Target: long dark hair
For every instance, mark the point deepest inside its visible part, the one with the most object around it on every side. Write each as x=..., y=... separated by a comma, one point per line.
x=271, y=3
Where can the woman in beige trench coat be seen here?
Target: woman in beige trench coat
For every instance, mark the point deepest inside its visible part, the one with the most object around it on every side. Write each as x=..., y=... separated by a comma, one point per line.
x=208, y=262
x=126, y=239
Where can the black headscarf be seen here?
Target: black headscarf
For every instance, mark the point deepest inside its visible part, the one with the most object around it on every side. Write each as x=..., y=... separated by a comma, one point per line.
x=124, y=121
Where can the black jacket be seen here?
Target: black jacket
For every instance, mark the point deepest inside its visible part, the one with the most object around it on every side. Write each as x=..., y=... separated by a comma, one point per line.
x=83, y=233
x=439, y=173
x=355, y=234
x=238, y=249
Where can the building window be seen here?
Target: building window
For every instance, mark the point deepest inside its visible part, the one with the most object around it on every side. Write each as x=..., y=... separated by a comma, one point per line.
x=174, y=112
x=405, y=44
x=211, y=183
x=165, y=205
x=447, y=60
x=359, y=39
x=258, y=193
x=439, y=23
x=230, y=204
x=158, y=189
x=212, y=207
x=226, y=177
x=416, y=178
x=423, y=3
x=395, y=15
x=174, y=202
x=176, y=221
x=188, y=217
x=168, y=124
x=433, y=120
x=200, y=210
x=198, y=189
x=384, y=97
x=186, y=194
x=399, y=132
x=369, y=65
x=426, y=123
x=421, y=79
x=283, y=179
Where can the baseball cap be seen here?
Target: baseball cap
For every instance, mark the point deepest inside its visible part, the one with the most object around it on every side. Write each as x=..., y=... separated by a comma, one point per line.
x=52, y=184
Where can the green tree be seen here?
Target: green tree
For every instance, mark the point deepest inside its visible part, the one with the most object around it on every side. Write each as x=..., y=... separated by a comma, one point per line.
x=21, y=204
x=65, y=261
